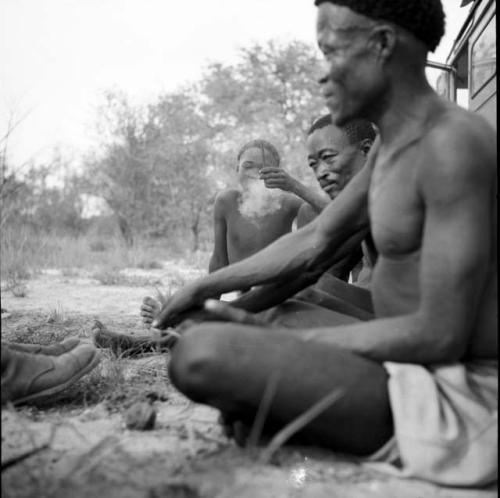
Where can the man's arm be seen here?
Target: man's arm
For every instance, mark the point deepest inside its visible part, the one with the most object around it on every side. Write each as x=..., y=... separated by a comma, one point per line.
x=458, y=189
x=305, y=215
x=279, y=178
x=219, y=257
x=307, y=252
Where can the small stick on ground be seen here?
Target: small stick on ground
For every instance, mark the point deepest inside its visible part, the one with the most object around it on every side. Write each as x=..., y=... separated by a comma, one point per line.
x=263, y=410
x=23, y=456
x=299, y=423
x=33, y=451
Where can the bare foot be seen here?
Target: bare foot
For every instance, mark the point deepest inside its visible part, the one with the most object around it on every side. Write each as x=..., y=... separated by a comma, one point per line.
x=127, y=345
x=149, y=309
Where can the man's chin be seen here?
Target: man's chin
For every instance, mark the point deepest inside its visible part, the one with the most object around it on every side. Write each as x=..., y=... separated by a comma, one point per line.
x=339, y=118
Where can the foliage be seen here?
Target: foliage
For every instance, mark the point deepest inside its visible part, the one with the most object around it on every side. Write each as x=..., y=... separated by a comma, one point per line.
x=32, y=200
x=159, y=166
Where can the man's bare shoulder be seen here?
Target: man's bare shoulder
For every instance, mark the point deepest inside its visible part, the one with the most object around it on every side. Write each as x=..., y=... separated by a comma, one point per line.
x=227, y=197
x=459, y=148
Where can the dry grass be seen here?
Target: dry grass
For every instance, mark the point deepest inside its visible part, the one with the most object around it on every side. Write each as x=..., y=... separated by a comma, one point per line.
x=116, y=381
x=114, y=277
x=24, y=252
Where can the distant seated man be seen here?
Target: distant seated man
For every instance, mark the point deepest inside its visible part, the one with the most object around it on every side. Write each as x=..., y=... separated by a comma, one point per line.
x=335, y=155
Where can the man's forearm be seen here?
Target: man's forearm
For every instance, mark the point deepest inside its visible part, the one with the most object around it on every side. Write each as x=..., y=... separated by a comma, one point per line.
x=399, y=339
x=267, y=296
x=315, y=199
x=269, y=265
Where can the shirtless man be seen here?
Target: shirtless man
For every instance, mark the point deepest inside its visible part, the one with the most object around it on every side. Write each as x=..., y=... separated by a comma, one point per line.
x=335, y=156
x=419, y=382
x=247, y=220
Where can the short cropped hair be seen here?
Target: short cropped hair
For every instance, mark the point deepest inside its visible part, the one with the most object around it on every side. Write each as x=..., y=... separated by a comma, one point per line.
x=355, y=130
x=423, y=18
x=259, y=143
x=359, y=129
x=319, y=123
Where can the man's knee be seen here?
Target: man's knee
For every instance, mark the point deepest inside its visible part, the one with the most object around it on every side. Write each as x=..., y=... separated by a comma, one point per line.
x=196, y=361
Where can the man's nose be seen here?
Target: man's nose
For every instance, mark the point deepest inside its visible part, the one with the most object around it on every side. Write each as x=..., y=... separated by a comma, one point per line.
x=322, y=170
x=323, y=73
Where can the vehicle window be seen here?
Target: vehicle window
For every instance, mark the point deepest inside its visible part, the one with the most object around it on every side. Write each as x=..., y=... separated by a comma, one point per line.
x=484, y=56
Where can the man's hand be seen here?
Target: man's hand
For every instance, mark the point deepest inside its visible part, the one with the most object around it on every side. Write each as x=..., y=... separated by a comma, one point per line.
x=184, y=304
x=183, y=307
x=278, y=178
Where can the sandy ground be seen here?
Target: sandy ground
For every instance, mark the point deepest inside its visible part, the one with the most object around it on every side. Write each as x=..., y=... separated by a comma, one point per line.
x=85, y=448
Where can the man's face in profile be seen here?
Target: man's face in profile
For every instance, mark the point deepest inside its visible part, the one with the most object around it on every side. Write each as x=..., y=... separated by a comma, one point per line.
x=352, y=78
x=333, y=160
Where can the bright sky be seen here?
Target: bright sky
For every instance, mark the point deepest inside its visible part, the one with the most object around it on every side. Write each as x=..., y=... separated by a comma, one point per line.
x=56, y=56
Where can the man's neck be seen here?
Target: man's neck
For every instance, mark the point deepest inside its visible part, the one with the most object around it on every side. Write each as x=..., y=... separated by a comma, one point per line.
x=412, y=102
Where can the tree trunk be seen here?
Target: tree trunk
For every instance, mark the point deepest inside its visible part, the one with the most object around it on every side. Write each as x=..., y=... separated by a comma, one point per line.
x=125, y=230
x=195, y=229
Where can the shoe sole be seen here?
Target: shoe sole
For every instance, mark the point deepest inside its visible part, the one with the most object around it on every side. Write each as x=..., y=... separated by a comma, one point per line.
x=60, y=387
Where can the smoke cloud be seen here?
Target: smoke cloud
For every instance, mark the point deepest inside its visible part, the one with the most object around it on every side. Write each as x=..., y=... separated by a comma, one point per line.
x=258, y=200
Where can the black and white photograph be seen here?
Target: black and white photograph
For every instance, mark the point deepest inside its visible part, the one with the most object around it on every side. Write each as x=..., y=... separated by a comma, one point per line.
x=248, y=249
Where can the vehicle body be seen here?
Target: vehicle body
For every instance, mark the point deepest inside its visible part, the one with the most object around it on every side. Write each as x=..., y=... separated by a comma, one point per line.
x=469, y=75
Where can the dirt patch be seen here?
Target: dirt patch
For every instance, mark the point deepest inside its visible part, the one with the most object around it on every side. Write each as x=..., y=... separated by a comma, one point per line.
x=85, y=448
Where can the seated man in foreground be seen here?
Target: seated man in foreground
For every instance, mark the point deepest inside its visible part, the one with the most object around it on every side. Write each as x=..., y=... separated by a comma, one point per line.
x=418, y=383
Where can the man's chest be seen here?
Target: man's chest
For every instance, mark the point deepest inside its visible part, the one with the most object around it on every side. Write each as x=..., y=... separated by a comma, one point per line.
x=256, y=231
x=395, y=208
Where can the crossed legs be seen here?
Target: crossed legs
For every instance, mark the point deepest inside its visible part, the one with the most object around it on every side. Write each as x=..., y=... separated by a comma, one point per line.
x=228, y=366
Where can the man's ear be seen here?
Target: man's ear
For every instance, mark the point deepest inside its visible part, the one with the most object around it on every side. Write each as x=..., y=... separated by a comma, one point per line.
x=383, y=40
x=365, y=146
